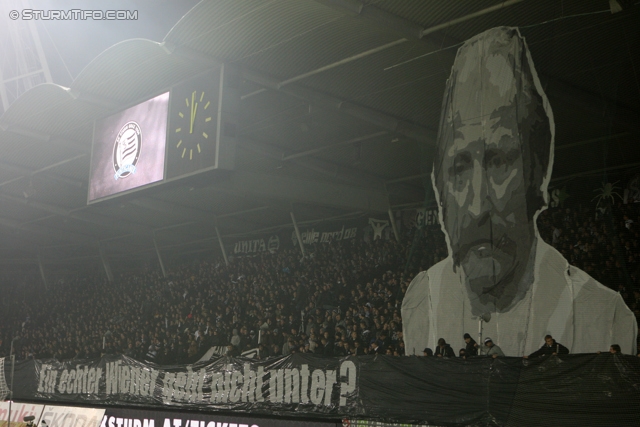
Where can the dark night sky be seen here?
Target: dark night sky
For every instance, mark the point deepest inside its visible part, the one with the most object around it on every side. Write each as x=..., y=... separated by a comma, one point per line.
x=71, y=45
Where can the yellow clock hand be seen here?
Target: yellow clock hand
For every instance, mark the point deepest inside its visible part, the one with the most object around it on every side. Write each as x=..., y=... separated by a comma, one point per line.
x=195, y=113
x=193, y=96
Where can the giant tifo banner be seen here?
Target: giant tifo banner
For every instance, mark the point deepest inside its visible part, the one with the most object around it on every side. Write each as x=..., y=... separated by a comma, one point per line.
x=491, y=172
x=572, y=390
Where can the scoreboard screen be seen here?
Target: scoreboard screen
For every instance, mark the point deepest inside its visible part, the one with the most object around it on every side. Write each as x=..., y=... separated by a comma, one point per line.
x=186, y=131
x=129, y=149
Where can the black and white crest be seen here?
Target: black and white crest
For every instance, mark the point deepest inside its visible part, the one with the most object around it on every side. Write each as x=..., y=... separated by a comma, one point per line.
x=126, y=150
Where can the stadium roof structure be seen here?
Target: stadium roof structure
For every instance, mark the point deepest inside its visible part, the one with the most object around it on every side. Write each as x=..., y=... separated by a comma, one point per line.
x=339, y=113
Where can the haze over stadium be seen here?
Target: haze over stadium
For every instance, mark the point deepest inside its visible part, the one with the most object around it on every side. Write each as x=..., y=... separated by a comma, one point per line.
x=228, y=200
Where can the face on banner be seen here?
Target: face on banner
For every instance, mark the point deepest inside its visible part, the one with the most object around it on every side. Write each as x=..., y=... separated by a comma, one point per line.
x=482, y=178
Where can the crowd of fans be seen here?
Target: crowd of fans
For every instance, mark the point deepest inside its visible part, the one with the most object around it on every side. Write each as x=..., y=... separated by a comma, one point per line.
x=334, y=301
x=343, y=298
x=603, y=243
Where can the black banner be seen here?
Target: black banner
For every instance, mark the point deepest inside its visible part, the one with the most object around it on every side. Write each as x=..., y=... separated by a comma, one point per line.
x=118, y=417
x=327, y=232
x=322, y=232
x=576, y=389
x=257, y=244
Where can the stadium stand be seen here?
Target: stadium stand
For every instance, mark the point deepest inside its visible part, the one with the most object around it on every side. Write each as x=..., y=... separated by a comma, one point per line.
x=337, y=301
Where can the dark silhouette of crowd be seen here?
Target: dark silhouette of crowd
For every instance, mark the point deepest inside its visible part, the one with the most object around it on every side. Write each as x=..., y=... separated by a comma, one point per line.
x=603, y=243
x=335, y=301
x=342, y=298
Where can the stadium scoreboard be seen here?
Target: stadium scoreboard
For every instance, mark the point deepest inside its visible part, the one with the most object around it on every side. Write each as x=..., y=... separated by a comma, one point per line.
x=186, y=130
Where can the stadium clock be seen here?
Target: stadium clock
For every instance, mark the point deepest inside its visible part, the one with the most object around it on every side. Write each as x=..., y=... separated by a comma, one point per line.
x=196, y=126
x=193, y=125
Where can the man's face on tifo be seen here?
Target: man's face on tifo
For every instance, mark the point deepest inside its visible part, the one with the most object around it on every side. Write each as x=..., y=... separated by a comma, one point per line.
x=486, y=210
x=483, y=191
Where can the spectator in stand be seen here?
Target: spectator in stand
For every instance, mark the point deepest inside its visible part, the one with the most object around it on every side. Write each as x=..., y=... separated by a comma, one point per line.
x=359, y=350
x=232, y=351
x=376, y=348
x=471, y=348
x=490, y=349
x=550, y=347
x=614, y=349
x=443, y=349
x=235, y=339
x=144, y=308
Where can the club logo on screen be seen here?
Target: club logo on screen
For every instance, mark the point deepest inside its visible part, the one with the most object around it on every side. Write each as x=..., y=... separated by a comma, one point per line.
x=126, y=150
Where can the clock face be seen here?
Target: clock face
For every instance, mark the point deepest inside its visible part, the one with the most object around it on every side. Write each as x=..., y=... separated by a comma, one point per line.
x=193, y=125
x=193, y=119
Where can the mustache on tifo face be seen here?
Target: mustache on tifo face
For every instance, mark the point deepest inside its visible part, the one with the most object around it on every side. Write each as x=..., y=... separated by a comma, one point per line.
x=504, y=244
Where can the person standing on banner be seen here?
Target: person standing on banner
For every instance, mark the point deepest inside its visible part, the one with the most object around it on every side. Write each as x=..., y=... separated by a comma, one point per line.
x=492, y=167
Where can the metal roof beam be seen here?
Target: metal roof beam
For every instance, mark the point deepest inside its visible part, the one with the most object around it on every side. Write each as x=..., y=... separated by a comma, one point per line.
x=191, y=55
x=172, y=226
x=42, y=137
x=339, y=63
x=80, y=216
x=555, y=88
x=324, y=167
x=338, y=144
x=31, y=172
x=98, y=101
x=469, y=16
x=358, y=8
x=169, y=207
x=283, y=116
x=408, y=178
x=596, y=171
x=294, y=189
x=290, y=224
x=319, y=99
x=41, y=230
x=592, y=140
x=591, y=102
x=198, y=216
x=400, y=25
x=242, y=212
x=377, y=118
